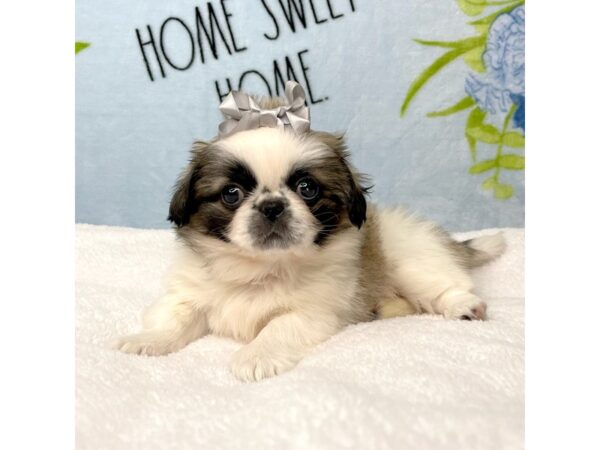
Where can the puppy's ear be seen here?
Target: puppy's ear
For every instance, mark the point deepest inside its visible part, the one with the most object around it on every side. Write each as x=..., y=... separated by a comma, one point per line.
x=183, y=203
x=356, y=203
x=180, y=208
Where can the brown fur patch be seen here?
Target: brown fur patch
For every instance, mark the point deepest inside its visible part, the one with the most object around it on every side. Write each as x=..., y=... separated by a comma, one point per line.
x=376, y=282
x=196, y=204
x=336, y=173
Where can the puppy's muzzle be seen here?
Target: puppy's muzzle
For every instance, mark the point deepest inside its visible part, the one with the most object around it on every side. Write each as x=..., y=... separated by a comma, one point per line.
x=272, y=209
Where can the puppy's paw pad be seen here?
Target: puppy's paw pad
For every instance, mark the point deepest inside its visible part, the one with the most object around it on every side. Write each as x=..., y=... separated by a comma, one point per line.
x=467, y=307
x=149, y=344
x=249, y=365
x=476, y=313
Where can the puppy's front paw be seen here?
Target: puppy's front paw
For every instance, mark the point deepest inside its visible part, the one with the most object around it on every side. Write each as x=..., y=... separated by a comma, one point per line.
x=475, y=312
x=465, y=307
x=150, y=343
x=251, y=364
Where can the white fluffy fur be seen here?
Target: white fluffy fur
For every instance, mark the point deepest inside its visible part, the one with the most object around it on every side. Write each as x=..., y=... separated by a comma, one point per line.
x=284, y=302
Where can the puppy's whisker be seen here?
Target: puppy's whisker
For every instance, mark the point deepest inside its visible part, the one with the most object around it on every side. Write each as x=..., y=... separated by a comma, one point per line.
x=326, y=216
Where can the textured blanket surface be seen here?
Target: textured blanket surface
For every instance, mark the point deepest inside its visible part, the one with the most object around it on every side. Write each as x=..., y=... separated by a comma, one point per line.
x=417, y=382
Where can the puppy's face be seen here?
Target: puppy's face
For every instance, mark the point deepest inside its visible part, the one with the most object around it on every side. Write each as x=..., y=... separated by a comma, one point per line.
x=268, y=190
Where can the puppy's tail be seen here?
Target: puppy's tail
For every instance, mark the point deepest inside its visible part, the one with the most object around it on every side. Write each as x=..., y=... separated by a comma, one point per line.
x=481, y=250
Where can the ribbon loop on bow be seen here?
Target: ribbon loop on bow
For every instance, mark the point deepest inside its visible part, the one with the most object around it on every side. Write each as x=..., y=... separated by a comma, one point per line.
x=242, y=113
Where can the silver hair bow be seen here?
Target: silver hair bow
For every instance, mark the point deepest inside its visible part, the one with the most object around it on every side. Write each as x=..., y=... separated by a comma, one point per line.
x=243, y=113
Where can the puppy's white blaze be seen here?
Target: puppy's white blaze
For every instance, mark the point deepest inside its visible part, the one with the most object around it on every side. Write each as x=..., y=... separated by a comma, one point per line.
x=239, y=233
x=271, y=153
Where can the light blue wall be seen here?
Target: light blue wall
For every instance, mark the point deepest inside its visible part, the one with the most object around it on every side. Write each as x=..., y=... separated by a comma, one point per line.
x=133, y=134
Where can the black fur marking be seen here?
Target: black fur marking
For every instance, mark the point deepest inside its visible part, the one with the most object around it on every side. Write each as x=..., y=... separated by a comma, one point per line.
x=328, y=215
x=240, y=174
x=183, y=203
x=340, y=194
x=296, y=176
x=357, y=208
x=196, y=205
x=215, y=220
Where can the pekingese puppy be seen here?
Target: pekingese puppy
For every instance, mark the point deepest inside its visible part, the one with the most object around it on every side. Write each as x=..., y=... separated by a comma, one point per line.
x=279, y=249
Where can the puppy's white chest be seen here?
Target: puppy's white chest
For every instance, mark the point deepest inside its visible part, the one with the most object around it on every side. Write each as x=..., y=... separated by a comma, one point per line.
x=243, y=312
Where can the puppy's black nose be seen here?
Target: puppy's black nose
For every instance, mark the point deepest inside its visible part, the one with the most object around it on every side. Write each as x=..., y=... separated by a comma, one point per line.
x=272, y=209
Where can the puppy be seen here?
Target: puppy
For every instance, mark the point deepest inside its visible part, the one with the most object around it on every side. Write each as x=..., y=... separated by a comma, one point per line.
x=279, y=249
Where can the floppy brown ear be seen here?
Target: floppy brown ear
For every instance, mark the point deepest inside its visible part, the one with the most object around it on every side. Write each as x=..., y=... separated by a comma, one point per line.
x=356, y=203
x=180, y=208
x=184, y=203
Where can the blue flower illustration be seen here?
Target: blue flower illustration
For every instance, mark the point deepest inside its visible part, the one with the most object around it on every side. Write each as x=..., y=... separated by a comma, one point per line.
x=495, y=90
x=504, y=59
x=519, y=117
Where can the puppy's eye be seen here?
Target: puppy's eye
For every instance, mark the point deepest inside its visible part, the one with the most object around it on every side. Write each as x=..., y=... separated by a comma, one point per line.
x=307, y=188
x=232, y=195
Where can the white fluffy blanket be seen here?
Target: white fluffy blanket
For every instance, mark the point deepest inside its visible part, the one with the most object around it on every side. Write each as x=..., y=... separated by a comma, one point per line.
x=418, y=382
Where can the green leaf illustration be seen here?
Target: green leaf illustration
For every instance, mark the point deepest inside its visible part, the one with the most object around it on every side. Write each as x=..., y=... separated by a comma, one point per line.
x=472, y=147
x=509, y=161
x=503, y=191
x=465, y=103
x=489, y=183
x=513, y=139
x=434, y=68
x=467, y=43
x=474, y=59
x=486, y=133
x=486, y=21
x=483, y=166
x=512, y=162
x=80, y=46
x=472, y=7
x=476, y=118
